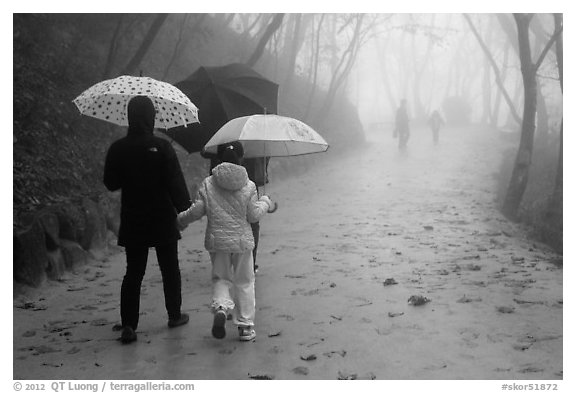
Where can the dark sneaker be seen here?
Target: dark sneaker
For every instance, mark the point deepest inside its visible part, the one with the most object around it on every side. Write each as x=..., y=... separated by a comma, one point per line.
x=219, y=325
x=183, y=320
x=128, y=335
x=246, y=333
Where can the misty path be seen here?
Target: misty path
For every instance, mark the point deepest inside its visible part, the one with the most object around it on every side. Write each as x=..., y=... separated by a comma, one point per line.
x=353, y=239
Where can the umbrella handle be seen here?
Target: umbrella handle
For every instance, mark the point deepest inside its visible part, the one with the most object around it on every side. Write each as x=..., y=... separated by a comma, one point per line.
x=274, y=208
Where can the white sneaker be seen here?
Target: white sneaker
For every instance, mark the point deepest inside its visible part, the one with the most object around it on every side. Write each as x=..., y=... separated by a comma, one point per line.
x=246, y=333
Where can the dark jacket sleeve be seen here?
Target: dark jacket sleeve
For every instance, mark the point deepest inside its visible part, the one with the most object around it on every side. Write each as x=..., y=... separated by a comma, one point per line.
x=112, y=174
x=175, y=180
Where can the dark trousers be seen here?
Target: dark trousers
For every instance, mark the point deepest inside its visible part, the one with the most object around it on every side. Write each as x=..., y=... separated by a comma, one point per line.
x=136, y=260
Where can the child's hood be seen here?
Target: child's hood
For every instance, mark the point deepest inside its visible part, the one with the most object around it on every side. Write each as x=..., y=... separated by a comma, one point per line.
x=230, y=176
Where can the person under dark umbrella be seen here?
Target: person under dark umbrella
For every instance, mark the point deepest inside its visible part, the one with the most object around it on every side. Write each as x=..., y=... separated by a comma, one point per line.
x=402, y=127
x=146, y=169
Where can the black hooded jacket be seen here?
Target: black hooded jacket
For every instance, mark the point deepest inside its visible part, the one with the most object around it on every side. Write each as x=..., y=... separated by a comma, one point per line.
x=146, y=169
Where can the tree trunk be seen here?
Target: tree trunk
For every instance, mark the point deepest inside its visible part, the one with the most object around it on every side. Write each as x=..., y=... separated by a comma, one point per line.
x=495, y=68
x=342, y=70
x=556, y=203
x=270, y=30
x=148, y=39
x=315, y=72
x=112, y=49
x=519, y=178
x=295, y=45
x=496, y=109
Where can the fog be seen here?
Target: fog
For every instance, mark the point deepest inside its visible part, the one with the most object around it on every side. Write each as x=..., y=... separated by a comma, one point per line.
x=427, y=58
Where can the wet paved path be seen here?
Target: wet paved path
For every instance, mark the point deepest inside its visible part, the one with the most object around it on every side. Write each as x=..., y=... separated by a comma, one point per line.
x=423, y=222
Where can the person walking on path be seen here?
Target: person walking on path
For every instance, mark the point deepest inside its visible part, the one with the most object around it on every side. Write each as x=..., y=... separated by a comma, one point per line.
x=256, y=169
x=146, y=169
x=435, y=122
x=401, y=127
x=229, y=200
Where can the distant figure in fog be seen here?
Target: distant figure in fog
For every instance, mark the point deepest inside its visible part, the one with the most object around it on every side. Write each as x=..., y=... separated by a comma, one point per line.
x=401, y=127
x=145, y=168
x=435, y=122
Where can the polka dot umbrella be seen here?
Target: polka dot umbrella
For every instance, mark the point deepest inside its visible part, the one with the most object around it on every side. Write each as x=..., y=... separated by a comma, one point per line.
x=108, y=100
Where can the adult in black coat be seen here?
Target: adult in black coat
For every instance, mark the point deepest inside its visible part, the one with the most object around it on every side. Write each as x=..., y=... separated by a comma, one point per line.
x=146, y=169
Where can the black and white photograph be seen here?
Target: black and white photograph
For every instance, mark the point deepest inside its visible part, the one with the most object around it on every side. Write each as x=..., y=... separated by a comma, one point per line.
x=306, y=196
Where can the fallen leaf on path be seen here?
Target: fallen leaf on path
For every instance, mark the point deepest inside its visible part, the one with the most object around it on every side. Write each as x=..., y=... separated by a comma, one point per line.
x=294, y=276
x=31, y=306
x=531, y=369
x=300, y=370
x=520, y=301
x=100, y=322
x=332, y=353
x=73, y=351
x=521, y=347
x=465, y=299
x=275, y=334
x=260, y=376
x=346, y=376
x=74, y=289
x=42, y=349
x=417, y=300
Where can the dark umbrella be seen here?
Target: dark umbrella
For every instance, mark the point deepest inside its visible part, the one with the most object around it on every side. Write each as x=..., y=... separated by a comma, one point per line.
x=222, y=94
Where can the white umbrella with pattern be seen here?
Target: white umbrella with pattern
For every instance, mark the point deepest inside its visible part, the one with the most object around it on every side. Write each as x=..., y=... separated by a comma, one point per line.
x=108, y=100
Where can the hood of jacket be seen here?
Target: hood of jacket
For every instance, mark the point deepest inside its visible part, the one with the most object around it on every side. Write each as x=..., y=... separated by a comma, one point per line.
x=141, y=116
x=230, y=176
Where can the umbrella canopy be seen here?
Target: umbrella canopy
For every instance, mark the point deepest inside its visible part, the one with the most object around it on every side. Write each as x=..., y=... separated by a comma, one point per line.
x=222, y=94
x=108, y=100
x=269, y=136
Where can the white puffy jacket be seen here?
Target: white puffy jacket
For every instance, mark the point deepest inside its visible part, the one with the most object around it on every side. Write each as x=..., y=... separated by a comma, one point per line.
x=229, y=200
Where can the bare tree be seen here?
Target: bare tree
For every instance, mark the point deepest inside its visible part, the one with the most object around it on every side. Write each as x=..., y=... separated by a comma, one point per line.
x=113, y=48
x=315, y=61
x=145, y=45
x=345, y=63
x=555, y=207
x=519, y=178
x=180, y=40
x=272, y=27
x=497, y=75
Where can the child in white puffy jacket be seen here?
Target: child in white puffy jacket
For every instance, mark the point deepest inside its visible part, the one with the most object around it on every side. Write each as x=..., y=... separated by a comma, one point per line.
x=229, y=200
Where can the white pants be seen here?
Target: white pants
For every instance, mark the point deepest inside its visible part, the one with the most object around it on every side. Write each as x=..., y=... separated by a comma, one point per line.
x=234, y=272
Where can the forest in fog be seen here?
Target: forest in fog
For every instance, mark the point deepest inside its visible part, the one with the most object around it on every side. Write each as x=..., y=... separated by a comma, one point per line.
x=343, y=74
